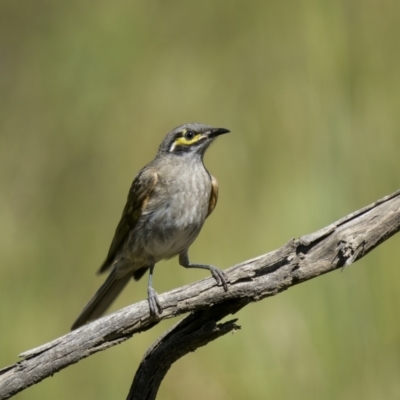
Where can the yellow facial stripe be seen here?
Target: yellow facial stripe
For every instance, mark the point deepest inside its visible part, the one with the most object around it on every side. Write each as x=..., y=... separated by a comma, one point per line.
x=182, y=140
x=187, y=142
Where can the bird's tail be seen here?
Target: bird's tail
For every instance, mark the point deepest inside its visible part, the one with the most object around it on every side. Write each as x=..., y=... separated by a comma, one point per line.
x=106, y=294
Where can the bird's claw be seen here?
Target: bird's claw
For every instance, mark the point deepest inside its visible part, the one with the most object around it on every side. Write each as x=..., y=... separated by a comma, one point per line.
x=220, y=277
x=154, y=303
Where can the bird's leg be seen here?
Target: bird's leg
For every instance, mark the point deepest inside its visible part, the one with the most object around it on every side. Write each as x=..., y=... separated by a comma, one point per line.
x=218, y=274
x=154, y=304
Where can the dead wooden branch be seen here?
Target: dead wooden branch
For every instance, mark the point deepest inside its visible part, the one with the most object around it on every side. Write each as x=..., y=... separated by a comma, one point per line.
x=194, y=331
x=339, y=244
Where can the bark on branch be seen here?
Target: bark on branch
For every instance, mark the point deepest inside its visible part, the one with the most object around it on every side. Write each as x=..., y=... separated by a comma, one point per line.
x=194, y=331
x=337, y=245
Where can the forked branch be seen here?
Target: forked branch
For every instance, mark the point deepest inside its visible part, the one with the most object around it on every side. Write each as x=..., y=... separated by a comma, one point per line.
x=335, y=246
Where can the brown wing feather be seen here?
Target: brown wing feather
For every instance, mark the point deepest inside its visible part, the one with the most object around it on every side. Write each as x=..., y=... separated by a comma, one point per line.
x=213, y=195
x=138, y=197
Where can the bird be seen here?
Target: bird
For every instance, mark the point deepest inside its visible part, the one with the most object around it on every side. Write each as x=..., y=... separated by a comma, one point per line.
x=167, y=205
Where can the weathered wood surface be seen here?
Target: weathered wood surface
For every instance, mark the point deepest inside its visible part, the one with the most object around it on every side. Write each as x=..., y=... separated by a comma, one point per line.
x=337, y=245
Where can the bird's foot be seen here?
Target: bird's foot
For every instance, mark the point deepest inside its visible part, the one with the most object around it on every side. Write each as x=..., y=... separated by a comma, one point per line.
x=219, y=276
x=154, y=303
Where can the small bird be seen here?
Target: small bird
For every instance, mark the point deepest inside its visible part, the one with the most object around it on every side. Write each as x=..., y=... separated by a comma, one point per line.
x=168, y=202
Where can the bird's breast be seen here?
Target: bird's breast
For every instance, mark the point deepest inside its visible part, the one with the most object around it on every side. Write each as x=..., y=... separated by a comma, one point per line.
x=174, y=214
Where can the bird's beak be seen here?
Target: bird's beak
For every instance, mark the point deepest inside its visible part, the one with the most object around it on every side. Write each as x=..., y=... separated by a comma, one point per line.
x=213, y=132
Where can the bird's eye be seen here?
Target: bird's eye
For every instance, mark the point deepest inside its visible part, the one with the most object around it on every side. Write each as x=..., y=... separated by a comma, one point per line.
x=189, y=135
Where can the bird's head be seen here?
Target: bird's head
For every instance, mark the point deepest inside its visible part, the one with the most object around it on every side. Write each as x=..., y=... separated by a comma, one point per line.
x=190, y=138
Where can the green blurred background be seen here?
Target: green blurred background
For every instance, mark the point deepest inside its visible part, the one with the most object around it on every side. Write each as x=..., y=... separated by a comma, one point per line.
x=311, y=92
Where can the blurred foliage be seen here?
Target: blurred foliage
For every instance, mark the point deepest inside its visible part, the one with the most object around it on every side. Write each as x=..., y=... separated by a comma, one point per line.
x=311, y=92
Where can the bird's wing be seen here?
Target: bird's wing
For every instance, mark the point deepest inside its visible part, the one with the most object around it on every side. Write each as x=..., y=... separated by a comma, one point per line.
x=213, y=195
x=138, y=197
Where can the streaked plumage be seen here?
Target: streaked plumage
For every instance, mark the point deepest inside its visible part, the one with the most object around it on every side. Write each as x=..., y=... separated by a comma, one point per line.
x=167, y=204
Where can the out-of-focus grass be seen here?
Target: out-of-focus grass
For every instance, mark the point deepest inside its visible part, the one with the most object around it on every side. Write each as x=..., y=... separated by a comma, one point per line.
x=311, y=92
